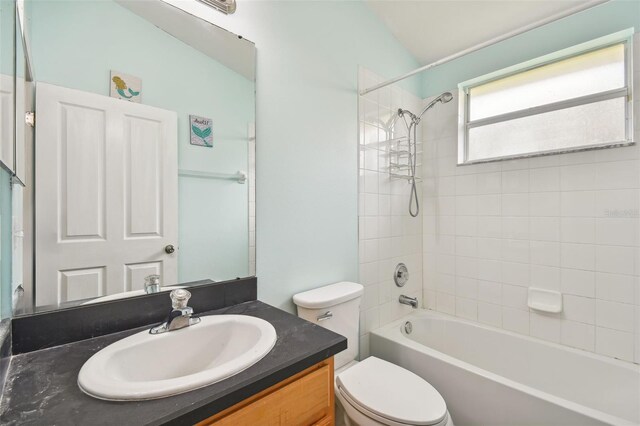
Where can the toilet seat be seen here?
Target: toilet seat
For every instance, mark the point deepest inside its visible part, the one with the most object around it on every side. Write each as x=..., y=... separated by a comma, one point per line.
x=391, y=394
x=363, y=417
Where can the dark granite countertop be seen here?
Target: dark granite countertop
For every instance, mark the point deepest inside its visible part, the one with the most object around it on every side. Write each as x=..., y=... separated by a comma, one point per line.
x=41, y=386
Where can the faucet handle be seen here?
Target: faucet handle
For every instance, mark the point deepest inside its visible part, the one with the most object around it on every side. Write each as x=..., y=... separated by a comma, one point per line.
x=179, y=298
x=152, y=279
x=152, y=284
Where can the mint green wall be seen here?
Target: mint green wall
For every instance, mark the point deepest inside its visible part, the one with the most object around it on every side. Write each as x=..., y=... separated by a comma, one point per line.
x=306, y=142
x=7, y=11
x=76, y=43
x=598, y=21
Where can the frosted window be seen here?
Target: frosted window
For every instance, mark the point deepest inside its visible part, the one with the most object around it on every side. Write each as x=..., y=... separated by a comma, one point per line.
x=582, y=75
x=572, y=102
x=581, y=126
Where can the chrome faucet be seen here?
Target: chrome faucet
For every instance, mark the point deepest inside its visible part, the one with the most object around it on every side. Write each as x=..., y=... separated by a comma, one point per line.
x=152, y=284
x=181, y=315
x=406, y=300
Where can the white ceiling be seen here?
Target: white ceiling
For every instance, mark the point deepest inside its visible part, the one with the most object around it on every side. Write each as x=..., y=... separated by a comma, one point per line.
x=434, y=29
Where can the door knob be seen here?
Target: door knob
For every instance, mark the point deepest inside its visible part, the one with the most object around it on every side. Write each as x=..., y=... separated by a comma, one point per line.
x=169, y=249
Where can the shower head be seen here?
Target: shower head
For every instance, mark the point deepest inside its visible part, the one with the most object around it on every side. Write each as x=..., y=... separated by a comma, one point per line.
x=415, y=119
x=444, y=98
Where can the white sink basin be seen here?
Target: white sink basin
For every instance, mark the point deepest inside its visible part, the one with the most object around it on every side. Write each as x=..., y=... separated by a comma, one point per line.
x=149, y=366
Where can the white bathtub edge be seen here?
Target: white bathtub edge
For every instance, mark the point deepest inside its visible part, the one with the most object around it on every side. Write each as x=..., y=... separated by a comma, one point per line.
x=393, y=332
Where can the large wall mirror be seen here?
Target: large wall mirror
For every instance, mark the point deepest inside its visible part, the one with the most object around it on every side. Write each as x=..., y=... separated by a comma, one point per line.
x=139, y=174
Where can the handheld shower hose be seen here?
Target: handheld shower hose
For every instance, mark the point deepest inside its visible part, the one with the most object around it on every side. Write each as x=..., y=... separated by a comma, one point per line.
x=413, y=146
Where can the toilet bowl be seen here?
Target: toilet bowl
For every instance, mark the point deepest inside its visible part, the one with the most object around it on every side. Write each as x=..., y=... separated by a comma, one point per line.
x=373, y=391
x=376, y=392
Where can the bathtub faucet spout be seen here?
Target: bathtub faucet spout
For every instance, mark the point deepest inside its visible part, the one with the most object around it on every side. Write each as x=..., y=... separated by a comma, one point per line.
x=411, y=301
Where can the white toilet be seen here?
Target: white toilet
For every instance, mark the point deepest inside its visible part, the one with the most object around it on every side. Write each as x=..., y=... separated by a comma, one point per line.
x=373, y=391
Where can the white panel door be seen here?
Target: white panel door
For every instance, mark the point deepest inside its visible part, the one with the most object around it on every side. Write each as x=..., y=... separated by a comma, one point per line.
x=106, y=194
x=7, y=120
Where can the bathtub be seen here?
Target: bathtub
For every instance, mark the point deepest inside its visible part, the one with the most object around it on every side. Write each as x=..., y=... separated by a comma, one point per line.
x=489, y=376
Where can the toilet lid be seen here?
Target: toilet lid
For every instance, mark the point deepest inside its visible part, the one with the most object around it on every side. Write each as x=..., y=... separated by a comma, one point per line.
x=392, y=392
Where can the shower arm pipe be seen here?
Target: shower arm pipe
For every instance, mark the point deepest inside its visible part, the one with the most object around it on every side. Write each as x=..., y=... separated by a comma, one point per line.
x=495, y=40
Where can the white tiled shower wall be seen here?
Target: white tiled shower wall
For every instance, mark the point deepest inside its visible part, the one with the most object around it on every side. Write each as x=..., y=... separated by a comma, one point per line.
x=568, y=222
x=388, y=235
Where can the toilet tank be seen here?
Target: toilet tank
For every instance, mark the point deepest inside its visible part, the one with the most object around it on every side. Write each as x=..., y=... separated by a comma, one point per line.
x=335, y=307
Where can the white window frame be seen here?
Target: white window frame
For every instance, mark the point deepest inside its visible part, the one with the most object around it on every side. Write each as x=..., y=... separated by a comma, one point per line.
x=464, y=125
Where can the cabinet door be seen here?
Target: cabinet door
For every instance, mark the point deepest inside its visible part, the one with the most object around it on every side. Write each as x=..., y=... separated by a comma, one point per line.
x=302, y=400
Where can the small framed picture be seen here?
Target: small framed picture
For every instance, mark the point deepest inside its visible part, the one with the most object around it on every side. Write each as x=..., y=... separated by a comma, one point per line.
x=126, y=87
x=201, y=131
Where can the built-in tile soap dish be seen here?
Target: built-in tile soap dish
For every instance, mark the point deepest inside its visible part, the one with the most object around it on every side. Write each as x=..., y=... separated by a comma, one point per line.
x=545, y=300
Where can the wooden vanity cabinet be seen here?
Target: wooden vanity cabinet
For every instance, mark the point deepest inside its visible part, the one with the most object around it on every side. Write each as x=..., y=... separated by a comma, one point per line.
x=304, y=399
